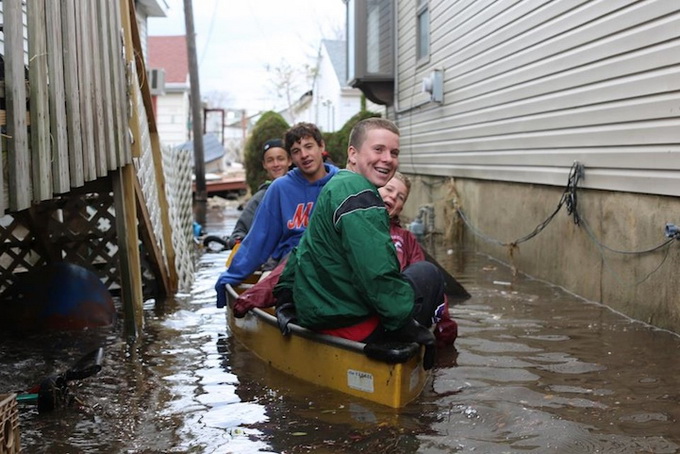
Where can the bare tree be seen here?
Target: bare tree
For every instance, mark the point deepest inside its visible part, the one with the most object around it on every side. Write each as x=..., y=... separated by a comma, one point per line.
x=218, y=99
x=289, y=82
x=285, y=80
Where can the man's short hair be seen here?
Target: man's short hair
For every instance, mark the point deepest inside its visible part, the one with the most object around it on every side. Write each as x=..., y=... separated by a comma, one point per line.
x=299, y=131
x=358, y=134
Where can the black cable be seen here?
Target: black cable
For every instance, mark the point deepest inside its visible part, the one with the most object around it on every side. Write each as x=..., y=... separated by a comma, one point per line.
x=590, y=233
x=569, y=198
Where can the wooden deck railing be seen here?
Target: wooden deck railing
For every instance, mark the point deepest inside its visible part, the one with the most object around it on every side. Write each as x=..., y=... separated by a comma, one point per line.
x=76, y=119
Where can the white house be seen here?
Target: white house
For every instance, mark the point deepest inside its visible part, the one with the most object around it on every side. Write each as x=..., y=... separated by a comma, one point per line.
x=168, y=69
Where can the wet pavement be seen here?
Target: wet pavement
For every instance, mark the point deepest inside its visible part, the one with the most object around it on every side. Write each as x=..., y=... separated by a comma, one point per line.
x=535, y=369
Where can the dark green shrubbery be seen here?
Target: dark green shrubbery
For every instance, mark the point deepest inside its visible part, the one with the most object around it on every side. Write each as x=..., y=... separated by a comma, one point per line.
x=336, y=142
x=271, y=125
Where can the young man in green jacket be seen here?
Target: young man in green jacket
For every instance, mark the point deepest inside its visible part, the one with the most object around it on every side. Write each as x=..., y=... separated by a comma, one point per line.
x=344, y=277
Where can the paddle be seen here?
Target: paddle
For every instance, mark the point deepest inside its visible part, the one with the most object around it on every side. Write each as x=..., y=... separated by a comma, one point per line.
x=452, y=287
x=86, y=367
x=52, y=392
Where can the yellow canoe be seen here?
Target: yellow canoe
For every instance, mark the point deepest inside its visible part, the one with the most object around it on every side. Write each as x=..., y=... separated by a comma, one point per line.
x=340, y=364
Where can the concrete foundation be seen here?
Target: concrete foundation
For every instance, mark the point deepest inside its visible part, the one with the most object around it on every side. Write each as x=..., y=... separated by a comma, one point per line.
x=643, y=286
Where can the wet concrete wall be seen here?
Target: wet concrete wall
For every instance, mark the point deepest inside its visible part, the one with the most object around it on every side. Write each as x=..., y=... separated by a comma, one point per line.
x=576, y=257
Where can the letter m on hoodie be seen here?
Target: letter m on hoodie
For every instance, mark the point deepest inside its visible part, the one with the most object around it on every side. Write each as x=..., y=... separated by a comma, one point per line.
x=301, y=216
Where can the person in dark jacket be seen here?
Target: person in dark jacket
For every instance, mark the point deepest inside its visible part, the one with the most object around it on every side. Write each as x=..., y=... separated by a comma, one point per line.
x=344, y=277
x=276, y=162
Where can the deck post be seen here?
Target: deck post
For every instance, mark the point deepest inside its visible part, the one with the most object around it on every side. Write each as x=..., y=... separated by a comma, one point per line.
x=125, y=205
x=167, y=270
x=128, y=244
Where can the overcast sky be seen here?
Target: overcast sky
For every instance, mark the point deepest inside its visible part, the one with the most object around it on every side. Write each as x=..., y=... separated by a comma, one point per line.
x=235, y=40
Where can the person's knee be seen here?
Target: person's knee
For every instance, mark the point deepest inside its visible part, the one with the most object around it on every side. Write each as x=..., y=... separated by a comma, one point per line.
x=428, y=288
x=425, y=278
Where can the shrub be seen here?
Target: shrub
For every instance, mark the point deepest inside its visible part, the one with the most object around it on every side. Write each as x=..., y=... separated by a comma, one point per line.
x=271, y=125
x=336, y=142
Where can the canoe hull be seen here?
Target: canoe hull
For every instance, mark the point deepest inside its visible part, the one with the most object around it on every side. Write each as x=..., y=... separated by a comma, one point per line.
x=329, y=361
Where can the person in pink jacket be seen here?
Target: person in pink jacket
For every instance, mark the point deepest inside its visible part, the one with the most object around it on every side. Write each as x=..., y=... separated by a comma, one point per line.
x=394, y=194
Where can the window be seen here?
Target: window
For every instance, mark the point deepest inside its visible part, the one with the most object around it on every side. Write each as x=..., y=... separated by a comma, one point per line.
x=423, y=30
x=370, y=48
x=370, y=39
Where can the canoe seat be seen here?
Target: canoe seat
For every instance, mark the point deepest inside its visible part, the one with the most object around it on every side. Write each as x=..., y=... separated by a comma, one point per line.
x=392, y=352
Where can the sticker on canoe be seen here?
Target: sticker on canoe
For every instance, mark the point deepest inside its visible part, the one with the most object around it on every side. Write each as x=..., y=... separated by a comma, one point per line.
x=362, y=381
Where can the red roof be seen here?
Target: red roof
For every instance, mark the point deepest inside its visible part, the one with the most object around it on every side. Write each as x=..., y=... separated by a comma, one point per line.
x=169, y=53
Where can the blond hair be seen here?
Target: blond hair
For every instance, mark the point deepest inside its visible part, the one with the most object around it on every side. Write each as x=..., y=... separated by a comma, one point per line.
x=404, y=179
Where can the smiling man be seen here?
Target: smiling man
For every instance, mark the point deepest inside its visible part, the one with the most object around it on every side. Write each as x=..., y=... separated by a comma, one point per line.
x=344, y=278
x=285, y=210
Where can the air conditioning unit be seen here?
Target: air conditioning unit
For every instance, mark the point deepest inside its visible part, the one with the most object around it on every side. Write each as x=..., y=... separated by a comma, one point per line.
x=156, y=78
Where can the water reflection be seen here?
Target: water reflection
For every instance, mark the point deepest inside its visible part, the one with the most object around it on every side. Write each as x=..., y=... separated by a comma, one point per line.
x=534, y=369
x=540, y=369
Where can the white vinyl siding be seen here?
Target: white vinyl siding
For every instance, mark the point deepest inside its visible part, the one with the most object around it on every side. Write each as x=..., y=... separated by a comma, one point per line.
x=172, y=117
x=143, y=30
x=532, y=86
x=25, y=32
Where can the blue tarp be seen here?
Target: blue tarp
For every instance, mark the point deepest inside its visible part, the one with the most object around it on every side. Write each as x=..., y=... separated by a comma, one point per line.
x=212, y=148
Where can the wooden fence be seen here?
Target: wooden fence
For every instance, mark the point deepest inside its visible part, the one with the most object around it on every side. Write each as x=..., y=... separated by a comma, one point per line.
x=82, y=173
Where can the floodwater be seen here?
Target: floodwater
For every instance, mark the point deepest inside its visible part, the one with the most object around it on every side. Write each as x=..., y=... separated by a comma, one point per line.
x=535, y=369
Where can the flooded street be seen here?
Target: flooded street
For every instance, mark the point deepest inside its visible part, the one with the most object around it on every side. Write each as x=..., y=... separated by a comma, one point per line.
x=534, y=369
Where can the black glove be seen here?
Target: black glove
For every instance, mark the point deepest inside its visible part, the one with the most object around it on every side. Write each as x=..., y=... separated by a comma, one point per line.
x=285, y=310
x=285, y=314
x=413, y=331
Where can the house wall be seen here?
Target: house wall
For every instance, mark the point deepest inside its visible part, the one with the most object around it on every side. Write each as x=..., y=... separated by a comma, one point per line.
x=172, y=118
x=25, y=33
x=327, y=97
x=530, y=87
x=643, y=286
x=75, y=98
x=143, y=29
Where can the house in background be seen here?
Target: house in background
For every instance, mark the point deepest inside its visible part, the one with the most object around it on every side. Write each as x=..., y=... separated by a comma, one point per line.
x=144, y=9
x=231, y=125
x=236, y=129
x=497, y=101
x=168, y=72
x=331, y=101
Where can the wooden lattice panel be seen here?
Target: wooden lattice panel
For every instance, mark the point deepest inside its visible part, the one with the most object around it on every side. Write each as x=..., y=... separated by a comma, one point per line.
x=144, y=166
x=78, y=229
x=18, y=252
x=83, y=230
x=178, y=167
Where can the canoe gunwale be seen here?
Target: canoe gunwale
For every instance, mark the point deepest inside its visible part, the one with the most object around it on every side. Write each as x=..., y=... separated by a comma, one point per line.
x=342, y=365
x=335, y=341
